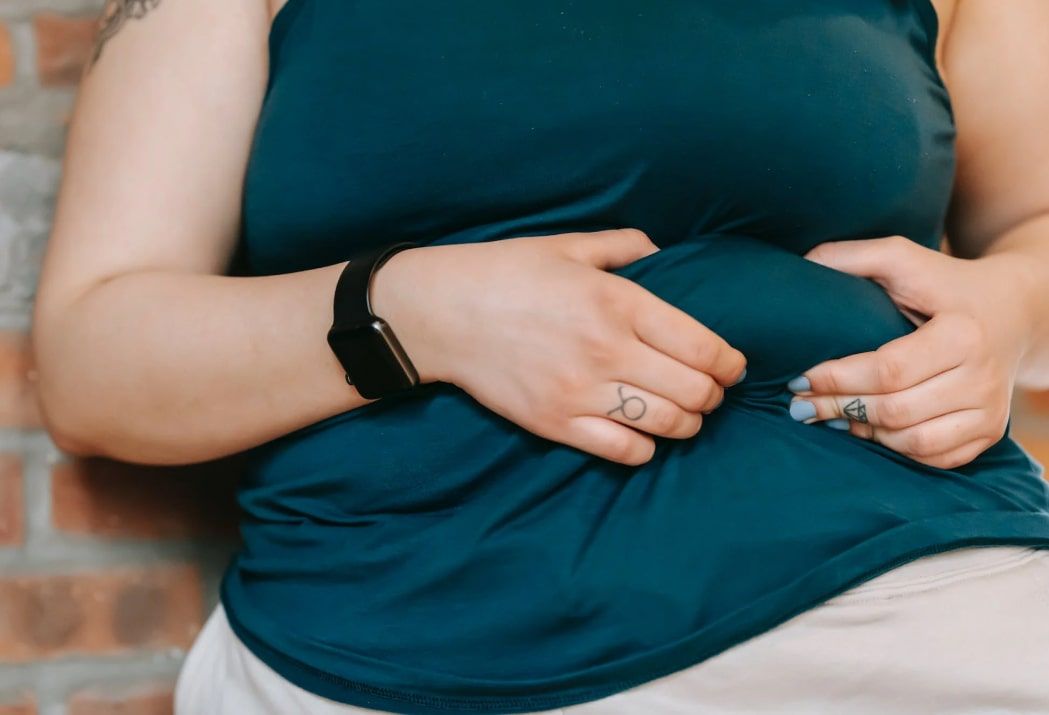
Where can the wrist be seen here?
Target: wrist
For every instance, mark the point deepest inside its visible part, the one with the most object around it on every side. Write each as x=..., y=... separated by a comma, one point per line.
x=396, y=294
x=1024, y=300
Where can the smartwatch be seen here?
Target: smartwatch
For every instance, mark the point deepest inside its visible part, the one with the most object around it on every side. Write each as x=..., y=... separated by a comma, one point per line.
x=374, y=361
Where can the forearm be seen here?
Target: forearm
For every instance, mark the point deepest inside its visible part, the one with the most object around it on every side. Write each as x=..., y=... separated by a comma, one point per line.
x=1026, y=246
x=171, y=367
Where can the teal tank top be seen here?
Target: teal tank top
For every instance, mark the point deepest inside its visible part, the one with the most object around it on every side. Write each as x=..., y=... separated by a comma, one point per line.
x=421, y=554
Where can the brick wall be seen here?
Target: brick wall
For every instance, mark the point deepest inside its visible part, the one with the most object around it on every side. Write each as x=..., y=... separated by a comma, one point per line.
x=106, y=570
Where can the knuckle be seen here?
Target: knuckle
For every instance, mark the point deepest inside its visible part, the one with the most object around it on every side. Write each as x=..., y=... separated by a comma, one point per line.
x=636, y=235
x=922, y=441
x=664, y=421
x=830, y=379
x=889, y=367
x=702, y=352
x=600, y=351
x=695, y=401
x=707, y=398
x=900, y=245
x=566, y=385
x=894, y=412
x=699, y=394
x=897, y=241
x=597, y=345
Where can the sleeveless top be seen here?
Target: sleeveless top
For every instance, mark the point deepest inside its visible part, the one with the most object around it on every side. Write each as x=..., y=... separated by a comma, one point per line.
x=422, y=554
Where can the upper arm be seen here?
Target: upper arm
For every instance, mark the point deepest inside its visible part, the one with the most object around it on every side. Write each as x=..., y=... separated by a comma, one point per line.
x=996, y=63
x=158, y=143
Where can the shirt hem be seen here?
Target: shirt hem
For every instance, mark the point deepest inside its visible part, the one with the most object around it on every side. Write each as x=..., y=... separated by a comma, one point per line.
x=407, y=691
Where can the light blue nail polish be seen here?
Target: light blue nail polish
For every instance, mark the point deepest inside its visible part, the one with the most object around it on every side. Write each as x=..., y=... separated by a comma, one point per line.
x=838, y=423
x=799, y=384
x=742, y=376
x=802, y=410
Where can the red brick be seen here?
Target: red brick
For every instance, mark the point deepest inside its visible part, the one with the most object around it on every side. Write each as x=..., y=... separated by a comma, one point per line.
x=11, y=504
x=157, y=700
x=7, y=65
x=63, y=46
x=99, y=612
x=106, y=498
x=19, y=704
x=18, y=405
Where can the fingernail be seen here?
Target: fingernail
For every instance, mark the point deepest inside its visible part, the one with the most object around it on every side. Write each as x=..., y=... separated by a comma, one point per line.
x=799, y=384
x=802, y=410
x=741, y=377
x=841, y=423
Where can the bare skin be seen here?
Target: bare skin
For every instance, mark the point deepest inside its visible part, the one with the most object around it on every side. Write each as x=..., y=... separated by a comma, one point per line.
x=114, y=14
x=146, y=352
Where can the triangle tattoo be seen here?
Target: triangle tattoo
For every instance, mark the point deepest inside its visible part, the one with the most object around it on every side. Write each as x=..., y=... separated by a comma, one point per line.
x=856, y=410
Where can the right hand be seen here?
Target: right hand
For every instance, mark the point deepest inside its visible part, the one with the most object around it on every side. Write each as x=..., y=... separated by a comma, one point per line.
x=536, y=330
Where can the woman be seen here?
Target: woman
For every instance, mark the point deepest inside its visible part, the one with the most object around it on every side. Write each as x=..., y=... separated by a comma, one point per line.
x=699, y=401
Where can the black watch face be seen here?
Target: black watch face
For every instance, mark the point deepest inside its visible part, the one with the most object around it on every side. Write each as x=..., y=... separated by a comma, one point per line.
x=373, y=359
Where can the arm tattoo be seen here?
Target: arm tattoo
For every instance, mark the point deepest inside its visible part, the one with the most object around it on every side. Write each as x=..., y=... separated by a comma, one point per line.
x=637, y=406
x=114, y=15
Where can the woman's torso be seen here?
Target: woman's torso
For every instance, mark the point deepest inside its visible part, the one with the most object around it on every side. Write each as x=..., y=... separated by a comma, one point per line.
x=422, y=554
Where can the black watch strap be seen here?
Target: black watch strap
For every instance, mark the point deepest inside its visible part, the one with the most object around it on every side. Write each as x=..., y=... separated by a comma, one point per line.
x=352, y=306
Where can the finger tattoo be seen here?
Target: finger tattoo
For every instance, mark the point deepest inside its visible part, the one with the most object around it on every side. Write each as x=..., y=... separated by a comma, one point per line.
x=114, y=14
x=632, y=406
x=856, y=410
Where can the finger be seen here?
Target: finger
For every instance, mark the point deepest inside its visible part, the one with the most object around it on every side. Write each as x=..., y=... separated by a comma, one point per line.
x=897, y=365
x=674, y=332
x=607, y=439
x=959, y=456
x=632, y=406
x=939, y=395
x=909, y=272
x=692, y=390
x=936, y=436
x=867, y=257
x=609, y=249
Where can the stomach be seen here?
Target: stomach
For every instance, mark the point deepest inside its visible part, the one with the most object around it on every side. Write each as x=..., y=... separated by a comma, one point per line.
x=438, y=528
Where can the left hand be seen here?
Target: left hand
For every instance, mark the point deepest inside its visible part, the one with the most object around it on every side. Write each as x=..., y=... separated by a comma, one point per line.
x=941, y=394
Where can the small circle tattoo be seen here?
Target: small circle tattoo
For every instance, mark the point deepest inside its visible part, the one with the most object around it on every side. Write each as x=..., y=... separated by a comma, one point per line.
x=856, y=410
x=637, y=411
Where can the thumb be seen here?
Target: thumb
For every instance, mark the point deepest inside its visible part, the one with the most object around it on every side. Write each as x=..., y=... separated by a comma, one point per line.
x=906, y=270
x=610, y=249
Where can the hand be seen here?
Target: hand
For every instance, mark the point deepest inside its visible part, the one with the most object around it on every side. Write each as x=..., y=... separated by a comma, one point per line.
x=537, y=330
x=941, y=394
